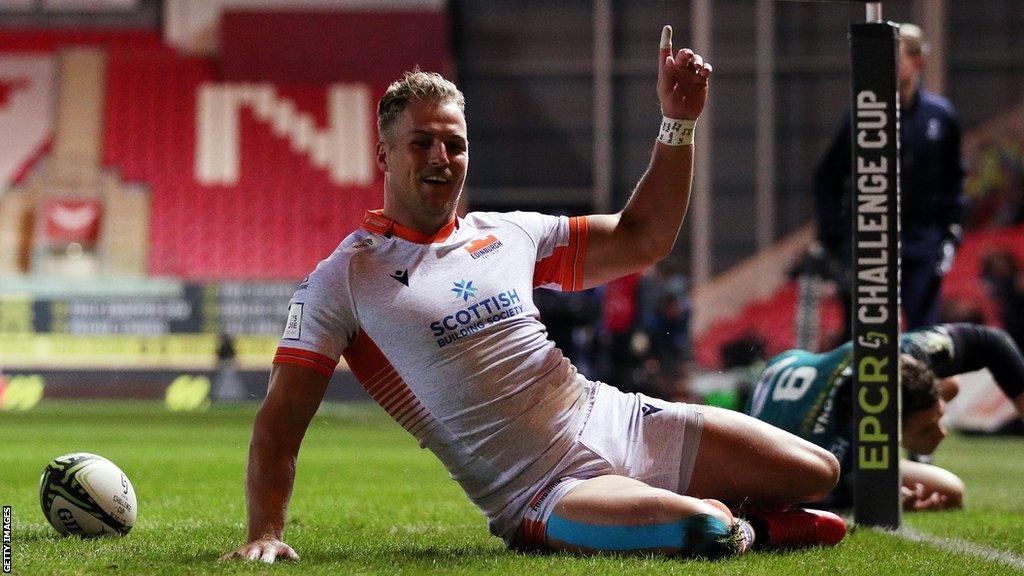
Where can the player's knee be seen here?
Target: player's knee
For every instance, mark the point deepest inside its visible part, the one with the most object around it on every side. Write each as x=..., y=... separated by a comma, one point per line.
x=824, y=468
x=832, y=470
x=719, y=510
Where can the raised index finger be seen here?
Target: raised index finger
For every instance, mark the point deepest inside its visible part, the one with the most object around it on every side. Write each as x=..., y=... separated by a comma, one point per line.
x=666, y=43
x=664, y=53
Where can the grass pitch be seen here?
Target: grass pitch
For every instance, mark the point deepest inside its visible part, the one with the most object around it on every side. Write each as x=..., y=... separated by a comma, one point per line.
x=367, y=500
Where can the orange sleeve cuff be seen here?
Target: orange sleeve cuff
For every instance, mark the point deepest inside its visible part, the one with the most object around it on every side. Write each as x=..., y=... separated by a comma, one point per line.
x=565, y=265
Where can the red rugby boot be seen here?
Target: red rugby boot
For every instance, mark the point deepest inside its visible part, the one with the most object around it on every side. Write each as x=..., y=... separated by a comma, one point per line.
x=797, y=528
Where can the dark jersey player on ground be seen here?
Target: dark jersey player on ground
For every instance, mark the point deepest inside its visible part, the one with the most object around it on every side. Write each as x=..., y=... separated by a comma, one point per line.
x=811, y=395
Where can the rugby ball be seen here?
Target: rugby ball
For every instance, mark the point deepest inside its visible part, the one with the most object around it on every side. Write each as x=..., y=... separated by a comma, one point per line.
x=87, y=495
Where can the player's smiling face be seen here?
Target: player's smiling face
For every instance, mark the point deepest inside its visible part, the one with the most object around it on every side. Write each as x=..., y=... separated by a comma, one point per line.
x=424, y=162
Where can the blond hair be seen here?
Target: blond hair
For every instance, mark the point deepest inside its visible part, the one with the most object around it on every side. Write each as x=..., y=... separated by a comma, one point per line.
x=415, y=85
x=912, y=38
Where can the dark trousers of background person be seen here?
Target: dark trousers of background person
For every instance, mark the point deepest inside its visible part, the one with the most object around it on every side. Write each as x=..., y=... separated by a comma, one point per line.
x=920, y=291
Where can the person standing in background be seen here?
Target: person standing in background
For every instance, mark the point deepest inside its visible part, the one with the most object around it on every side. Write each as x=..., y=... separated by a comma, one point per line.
x=932, y=202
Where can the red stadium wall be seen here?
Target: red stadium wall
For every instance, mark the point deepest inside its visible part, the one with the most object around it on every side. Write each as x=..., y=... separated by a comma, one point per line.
x=773, y=319
x=279, y=218
x=49, y=41
x=284, y=206
x=965, y=282
x=320, y=48
x=283, y=213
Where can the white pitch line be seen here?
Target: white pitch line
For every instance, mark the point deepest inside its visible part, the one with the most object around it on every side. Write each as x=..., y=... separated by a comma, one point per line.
x=958, y=546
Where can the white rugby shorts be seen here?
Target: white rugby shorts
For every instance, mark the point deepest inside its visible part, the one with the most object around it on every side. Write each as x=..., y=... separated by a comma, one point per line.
x=629, y=435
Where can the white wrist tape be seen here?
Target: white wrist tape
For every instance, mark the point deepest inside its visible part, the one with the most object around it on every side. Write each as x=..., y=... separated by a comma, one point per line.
x=676, y=132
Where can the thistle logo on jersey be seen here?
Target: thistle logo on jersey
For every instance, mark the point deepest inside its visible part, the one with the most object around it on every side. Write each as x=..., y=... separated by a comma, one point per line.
x=483, y=247
x=464, y=290
x=476, y=317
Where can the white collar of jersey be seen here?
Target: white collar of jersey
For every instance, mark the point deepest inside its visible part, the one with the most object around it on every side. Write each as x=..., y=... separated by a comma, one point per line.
x=375, y=221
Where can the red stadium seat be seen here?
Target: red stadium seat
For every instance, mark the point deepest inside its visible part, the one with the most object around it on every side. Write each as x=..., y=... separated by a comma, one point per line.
x=282, y=216
x=773, y=319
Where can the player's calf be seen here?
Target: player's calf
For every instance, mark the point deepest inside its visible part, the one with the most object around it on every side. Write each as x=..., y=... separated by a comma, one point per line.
x=709, y=534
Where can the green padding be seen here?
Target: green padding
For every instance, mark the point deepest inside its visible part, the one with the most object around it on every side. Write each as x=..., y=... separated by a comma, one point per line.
x=727, y=399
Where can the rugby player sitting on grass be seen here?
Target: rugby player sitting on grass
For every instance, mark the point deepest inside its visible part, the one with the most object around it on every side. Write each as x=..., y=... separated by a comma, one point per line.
x=434, y=315
x=811, y=395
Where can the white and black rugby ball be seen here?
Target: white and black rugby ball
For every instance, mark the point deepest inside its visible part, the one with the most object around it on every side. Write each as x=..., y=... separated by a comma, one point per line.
x=87, y=495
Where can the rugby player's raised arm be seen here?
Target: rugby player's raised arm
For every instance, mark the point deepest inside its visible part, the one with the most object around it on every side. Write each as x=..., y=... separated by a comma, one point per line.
x=646, y=229
x=294, y=394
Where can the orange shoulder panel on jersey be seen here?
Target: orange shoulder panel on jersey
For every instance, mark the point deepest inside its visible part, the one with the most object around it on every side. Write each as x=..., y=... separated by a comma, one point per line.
x=565, y=265
x=384, y=384
x=305, y=358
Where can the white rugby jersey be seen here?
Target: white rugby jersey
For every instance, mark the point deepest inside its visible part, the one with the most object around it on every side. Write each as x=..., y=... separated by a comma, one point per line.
x=443, y=333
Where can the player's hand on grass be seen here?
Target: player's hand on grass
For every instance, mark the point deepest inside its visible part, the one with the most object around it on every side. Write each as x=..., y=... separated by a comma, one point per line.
x=265, y=550
x=682, y=80
x=919, y=498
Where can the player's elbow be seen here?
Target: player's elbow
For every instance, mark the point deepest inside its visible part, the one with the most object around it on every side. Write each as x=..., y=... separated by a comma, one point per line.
x=955, y=500
x=998, y=333
x=654, y=248
x=954, y=491
x=646, y=238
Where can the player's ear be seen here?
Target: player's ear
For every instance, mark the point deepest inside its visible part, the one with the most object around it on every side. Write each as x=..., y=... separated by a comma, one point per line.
x=382, y=156
x=918, y=61
x=949, y=388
